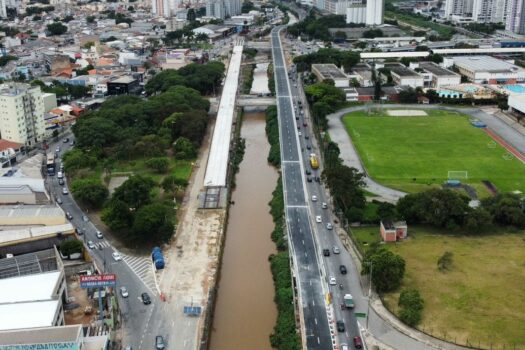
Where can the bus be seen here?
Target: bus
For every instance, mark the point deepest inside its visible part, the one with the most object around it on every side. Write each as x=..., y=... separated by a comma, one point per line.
x=50, y=165
x=313, y=161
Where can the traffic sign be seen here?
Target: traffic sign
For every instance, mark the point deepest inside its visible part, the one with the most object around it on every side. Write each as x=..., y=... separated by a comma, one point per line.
x=360, y=314
x=98, y=281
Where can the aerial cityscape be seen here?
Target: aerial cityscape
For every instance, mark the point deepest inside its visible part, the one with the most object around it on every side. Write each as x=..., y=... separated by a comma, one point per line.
x=262, y=174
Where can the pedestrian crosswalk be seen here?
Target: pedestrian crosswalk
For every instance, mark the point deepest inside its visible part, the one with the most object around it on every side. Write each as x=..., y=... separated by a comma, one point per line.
x=103, y=244
x=143, y=268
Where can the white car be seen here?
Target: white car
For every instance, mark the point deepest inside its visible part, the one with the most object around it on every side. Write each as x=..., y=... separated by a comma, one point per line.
x=91, y=245
x=85, y=218
x=314, y=198
x=318, y=218
x=336, y=250
x=116, y=256
x=324, y=205
x=333, y=281
x=124, y=292
x=99, y=234
x=64, y=191
x=329, y=226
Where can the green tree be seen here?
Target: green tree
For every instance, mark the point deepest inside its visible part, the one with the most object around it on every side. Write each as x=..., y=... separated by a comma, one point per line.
x=95, y=132
x=153, y=223
x=387, y=269
x=184, y=149
x=410, y=316
x=135, y=191
x=172, y=183
x=346, y=185
x=89, y=192
x=444, y=262
x=90, y=19
x=377, y=90
x=411, y=298
x=56, y=28
x=191, y=16
x=117, y=215
x=71, y=246
x=76, y=158
x=159, y=164
x=5, y=59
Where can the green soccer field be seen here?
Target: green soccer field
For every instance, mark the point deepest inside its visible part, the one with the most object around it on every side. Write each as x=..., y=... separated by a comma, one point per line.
x=416, y=153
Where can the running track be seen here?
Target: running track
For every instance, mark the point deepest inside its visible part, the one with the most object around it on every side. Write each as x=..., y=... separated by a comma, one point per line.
x=505, y=145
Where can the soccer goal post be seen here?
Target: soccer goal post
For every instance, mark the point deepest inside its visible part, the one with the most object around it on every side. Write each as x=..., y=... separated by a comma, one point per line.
x=457, y=174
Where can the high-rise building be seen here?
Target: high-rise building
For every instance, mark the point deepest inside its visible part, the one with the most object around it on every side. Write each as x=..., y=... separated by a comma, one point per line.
x=223, y=8
x=161, y=8
x=458, y=8
x=369, y=12
x=516, y=16
x=374, y=12
x=489, y=11
x=21, y=113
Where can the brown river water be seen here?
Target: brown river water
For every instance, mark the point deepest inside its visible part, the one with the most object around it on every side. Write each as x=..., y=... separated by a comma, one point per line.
x=245, y=312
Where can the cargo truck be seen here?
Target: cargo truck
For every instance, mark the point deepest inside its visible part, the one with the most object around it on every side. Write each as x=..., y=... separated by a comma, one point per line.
x=157, y=258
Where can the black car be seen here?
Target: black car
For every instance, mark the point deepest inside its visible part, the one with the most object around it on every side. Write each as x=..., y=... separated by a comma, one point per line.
x=145, y=298
x=309, y=179
x=308, y=172
x=308, y=147
x=342, y=269
x=159, y=342
x=326, y=252
x=317, y=179
x=340, y=326
x=61, y=182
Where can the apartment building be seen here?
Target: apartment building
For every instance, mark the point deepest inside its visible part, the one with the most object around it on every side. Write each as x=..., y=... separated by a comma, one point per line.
x=21, y=113
x=516, y=16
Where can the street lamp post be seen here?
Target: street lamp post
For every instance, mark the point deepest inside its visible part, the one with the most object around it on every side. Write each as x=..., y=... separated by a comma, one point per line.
x=369, y=293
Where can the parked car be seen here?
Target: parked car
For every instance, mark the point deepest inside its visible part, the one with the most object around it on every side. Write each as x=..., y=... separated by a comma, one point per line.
x=145, y=298
x=342, y=269
x=124, y=292
x=358, y=343
x=69, y=216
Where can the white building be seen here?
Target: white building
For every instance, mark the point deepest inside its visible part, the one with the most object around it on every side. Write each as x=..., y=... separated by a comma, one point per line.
x=21, y=113
x=369, y=12
x=461, y=8
x=374, y=12
x=161, y=8
x=489, y=70
x=223, y=8
x=436, y=76
x=330, y=71
x=402, y=75
x=516, y=16
x=489, y=11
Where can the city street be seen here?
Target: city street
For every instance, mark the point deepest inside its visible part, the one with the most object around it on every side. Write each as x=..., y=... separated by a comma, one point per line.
x=140, y=323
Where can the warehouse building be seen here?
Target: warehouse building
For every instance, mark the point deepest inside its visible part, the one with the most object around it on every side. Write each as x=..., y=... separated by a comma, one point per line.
x=330, y=71
x=489, y=70
x=405, y=76
x=436, y=76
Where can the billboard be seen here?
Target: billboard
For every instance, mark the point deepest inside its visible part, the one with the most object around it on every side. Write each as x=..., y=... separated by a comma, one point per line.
x=98, y=281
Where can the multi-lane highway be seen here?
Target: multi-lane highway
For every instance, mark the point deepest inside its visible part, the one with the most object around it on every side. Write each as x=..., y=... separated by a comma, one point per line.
x=307, y=270
x=140, y=323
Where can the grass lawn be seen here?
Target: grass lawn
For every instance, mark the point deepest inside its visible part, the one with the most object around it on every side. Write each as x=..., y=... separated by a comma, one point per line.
x=366, y=236
x=416, y=153
x=180, y=168
x=481, y=298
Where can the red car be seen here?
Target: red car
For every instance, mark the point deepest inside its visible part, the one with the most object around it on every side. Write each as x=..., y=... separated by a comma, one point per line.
x=358, y=343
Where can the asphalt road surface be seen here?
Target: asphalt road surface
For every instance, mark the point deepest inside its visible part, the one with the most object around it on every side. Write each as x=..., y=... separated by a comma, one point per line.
x=307, y=271
x=140, y=323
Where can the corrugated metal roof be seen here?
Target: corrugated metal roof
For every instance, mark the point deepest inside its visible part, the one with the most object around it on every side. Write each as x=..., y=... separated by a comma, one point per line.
x=41, y=335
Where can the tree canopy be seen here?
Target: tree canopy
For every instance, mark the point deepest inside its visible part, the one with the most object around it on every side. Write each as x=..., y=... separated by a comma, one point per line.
x=57, y=28
x=90, y=192
x=387, y=269
x=345, y=59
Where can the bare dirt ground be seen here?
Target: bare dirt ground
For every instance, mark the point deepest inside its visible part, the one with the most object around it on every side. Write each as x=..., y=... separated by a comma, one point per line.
x=77, y=316
x=192, y=257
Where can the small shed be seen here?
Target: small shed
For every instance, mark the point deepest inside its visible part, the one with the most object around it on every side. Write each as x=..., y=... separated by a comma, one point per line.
x=393, y=231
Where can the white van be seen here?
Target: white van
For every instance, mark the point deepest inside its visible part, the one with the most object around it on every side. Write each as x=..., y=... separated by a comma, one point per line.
x=60, y=175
